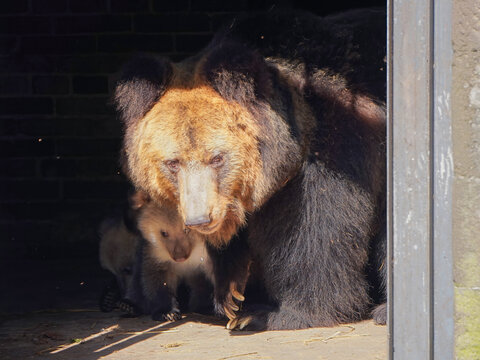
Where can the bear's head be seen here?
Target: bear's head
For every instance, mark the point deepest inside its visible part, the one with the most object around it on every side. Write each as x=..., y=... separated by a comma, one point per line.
x=161, y=225
x=210, y=134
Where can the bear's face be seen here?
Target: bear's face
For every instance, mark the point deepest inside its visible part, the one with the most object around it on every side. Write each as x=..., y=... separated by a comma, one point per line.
x=163, y=228
x=200, y=151
x=210, y=134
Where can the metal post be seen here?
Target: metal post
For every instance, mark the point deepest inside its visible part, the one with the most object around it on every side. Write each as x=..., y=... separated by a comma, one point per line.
x=420, y=173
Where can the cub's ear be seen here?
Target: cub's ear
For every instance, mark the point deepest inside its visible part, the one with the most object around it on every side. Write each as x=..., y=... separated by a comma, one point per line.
x=237, y=72
x=142, y=82
x=138, y=199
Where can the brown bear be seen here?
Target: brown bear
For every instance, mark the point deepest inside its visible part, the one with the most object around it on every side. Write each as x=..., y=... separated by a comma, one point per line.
x=271, y=142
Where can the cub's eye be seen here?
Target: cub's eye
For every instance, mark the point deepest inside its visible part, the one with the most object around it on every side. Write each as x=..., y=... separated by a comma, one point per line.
x=127, y=270
x=173, y=165
x=217, y=161
x=164, y=233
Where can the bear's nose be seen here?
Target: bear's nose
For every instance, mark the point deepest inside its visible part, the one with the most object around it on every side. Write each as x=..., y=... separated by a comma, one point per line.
x=198, y=221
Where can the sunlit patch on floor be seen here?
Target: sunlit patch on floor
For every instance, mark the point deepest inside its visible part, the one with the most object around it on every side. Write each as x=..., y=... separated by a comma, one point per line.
x=136, y=334
x=84, y=340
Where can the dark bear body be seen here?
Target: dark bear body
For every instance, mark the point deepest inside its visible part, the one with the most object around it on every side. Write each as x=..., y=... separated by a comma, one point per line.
x=292, y=151
x=342, y=182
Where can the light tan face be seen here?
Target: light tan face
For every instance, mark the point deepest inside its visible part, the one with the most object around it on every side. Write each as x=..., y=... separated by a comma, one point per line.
x=164, y=228
x=199, y=151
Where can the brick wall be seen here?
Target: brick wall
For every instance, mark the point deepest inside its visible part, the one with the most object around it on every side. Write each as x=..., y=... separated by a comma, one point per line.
x=59, y=138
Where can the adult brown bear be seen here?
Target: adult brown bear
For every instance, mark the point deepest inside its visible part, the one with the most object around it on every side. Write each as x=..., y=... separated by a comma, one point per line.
x=277, y=130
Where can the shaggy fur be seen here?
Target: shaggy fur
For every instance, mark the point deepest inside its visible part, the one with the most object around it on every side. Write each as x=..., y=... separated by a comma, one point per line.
x=293, y=108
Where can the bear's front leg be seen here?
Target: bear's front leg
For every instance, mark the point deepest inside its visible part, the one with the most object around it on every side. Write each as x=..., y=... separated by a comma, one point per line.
x=159, y=287
x=112, y=299
x=230, y=273
x=164, y=305
x=228, y=299
x=200, y=294
x=110, y=296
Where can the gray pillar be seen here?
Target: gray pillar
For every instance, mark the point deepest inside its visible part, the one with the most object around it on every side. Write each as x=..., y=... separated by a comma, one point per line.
x=420, y=173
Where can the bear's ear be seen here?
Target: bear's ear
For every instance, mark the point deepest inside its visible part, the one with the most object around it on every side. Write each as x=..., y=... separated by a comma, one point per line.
x=137, y=199
x=237, y=72
x=143, y=81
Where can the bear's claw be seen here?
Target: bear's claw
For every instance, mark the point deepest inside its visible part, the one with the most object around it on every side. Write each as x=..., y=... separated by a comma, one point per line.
x=239, y=323
x=237, y=295
x=232, y=324
x=173, y=316
x=229, y=305
x=108, y=302
x=110, y=297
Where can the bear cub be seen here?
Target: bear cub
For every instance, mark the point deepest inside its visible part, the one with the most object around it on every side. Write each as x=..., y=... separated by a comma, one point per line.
x=168, y=256
x=117, y=249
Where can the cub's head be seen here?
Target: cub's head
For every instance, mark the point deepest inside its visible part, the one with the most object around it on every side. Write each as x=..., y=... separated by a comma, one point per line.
x=199, y=134
x=162, y=226
x=117, y=250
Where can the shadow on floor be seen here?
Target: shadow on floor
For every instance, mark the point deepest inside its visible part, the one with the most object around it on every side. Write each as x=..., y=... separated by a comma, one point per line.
x=81, y=334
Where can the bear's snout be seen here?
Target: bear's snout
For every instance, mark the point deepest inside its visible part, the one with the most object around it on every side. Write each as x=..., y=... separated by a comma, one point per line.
x=181, y=252
x=198, y=221
x=197, y=187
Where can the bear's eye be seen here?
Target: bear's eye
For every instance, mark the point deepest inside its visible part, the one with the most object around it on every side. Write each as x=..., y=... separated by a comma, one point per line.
x=217, y=161
x=173, y=165
x=164, y=233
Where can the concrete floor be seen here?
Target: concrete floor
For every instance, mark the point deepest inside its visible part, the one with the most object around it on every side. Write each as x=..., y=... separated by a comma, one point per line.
x=87, y=334
x=50, y=311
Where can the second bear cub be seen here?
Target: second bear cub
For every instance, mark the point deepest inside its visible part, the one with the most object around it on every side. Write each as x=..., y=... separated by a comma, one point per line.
x=168, y=256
